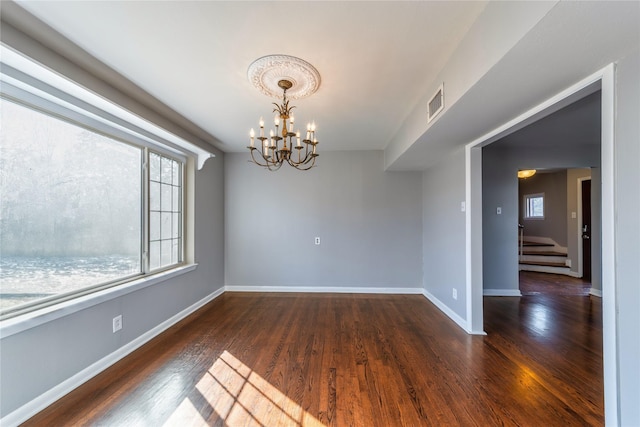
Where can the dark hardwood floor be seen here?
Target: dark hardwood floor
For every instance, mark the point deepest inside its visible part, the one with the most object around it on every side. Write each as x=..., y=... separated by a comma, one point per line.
x=534, y=283
x=355, y=360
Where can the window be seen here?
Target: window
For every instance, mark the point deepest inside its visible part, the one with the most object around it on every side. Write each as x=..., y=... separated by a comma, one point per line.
x=92, y=196
x=73, y=216
x=165, y=206
x=534, y=206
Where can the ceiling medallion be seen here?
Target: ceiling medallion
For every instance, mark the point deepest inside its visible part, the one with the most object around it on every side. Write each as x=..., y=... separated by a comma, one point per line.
x=281, y=74
x=265, y=73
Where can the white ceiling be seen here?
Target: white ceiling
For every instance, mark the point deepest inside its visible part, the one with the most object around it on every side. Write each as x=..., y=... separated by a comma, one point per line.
x=375, y=59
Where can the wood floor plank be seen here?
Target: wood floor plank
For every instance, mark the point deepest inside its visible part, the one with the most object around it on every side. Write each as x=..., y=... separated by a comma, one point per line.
x=355, y=360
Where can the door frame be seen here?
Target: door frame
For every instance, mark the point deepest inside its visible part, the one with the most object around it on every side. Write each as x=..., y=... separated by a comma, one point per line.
x=603, y=80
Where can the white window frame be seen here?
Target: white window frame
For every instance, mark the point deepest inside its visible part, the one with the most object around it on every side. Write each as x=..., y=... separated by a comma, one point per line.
x=526, y=212
x=147, y=240
x=34, y=86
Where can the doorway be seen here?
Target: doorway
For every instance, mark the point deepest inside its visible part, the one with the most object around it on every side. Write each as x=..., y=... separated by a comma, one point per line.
x=605, y=81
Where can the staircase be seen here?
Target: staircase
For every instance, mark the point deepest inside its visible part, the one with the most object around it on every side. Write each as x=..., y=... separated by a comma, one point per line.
x=543, y=255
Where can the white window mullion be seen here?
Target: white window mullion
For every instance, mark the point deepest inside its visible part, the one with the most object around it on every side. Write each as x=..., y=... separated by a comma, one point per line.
x=144, y=217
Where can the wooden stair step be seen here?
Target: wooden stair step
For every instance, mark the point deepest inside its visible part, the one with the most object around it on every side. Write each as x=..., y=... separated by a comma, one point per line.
x=527, y=243
x=544, y=253
x=544, y=263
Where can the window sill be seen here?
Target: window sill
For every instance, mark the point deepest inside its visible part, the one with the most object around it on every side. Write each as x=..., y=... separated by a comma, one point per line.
x=39, y=317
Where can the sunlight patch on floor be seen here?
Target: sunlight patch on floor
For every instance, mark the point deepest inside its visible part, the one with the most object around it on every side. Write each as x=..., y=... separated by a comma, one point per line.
x=241, y=397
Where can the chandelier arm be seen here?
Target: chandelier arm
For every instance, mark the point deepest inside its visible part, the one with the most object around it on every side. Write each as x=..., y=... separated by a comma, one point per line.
x=274, y=166
x=305, y=159
x=251, y=150
x=298, y=166
x=271, y=163
x=309, y=157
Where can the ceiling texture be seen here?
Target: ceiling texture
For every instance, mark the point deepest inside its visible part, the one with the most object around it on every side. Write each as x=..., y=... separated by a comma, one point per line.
x=375, y=58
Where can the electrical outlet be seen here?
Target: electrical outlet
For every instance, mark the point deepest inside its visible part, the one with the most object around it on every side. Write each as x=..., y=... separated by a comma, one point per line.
x=499, y=210
x=117, y=323
x=317, y=240
x=455, y=293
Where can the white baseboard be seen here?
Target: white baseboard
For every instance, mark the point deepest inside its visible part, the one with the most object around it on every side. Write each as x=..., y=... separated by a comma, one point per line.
x=324, y=289
x=36, y=405
x=501, y=292
x=595, y=292
x=447, y=311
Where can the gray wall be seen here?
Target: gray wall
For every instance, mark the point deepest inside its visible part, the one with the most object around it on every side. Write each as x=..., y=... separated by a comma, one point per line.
x=369, y=222
x=500, y=164
x=499, y=231
x=627, y=235
x=443, y=189
x=554, y=187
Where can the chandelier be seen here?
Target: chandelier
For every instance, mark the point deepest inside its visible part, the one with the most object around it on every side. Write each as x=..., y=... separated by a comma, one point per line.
x=284, y=145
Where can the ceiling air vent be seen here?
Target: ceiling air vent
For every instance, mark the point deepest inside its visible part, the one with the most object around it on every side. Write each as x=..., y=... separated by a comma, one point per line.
x=436, y=104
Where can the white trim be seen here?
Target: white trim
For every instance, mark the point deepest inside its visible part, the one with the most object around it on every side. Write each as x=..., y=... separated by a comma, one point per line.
x=324, y=289
x=502, y=293
x=605, y=80
x=595, y=292
x=608, y=261
x=450, y=313
x=44, y=315
x=473, y=238
x=36, y=405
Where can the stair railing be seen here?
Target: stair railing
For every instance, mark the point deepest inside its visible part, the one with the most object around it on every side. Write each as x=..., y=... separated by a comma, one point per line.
x=521, y=229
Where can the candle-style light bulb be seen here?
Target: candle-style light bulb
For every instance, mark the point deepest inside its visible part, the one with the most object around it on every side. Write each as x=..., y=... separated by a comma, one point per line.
x=298, y=138
x=252, y=134
x=313, y=126
x=308, y=131
x=276, y=120
x=261, y=127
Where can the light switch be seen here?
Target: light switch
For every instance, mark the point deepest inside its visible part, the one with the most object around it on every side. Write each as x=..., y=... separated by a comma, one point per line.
x=573, y=215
